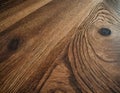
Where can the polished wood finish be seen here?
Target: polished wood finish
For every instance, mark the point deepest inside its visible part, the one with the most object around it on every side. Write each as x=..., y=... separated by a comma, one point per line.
x=59, y=46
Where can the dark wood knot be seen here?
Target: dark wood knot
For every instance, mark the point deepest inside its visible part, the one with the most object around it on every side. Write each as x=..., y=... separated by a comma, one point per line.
x=13, y=44
x=105, y=31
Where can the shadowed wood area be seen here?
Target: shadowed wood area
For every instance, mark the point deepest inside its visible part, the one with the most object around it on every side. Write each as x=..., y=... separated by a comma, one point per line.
x=59, y=46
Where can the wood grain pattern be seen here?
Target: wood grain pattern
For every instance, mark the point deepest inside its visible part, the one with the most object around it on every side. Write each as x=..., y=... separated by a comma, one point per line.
x=54, y=46
x=97, y=56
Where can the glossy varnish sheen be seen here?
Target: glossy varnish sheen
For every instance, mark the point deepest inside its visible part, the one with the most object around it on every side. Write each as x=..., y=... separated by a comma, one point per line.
x=59, y=46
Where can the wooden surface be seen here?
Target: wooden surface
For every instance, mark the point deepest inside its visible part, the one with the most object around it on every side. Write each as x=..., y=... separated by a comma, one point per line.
x=55, y=46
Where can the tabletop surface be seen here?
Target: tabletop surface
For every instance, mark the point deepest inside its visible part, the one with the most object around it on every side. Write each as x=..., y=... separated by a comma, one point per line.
x=59, y=46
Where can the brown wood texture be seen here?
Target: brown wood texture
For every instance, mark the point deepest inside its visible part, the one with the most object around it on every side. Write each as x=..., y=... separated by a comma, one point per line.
x=59, y=46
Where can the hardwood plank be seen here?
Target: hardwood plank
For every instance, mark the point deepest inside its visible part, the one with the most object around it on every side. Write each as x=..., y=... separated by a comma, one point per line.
x=60, y=46
x=15, y=14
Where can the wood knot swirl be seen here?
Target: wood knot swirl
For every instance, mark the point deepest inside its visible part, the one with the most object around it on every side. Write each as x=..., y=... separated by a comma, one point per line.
x=93, y=57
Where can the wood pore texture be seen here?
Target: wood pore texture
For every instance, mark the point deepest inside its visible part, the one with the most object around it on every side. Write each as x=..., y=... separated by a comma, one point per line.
x=54, y=46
